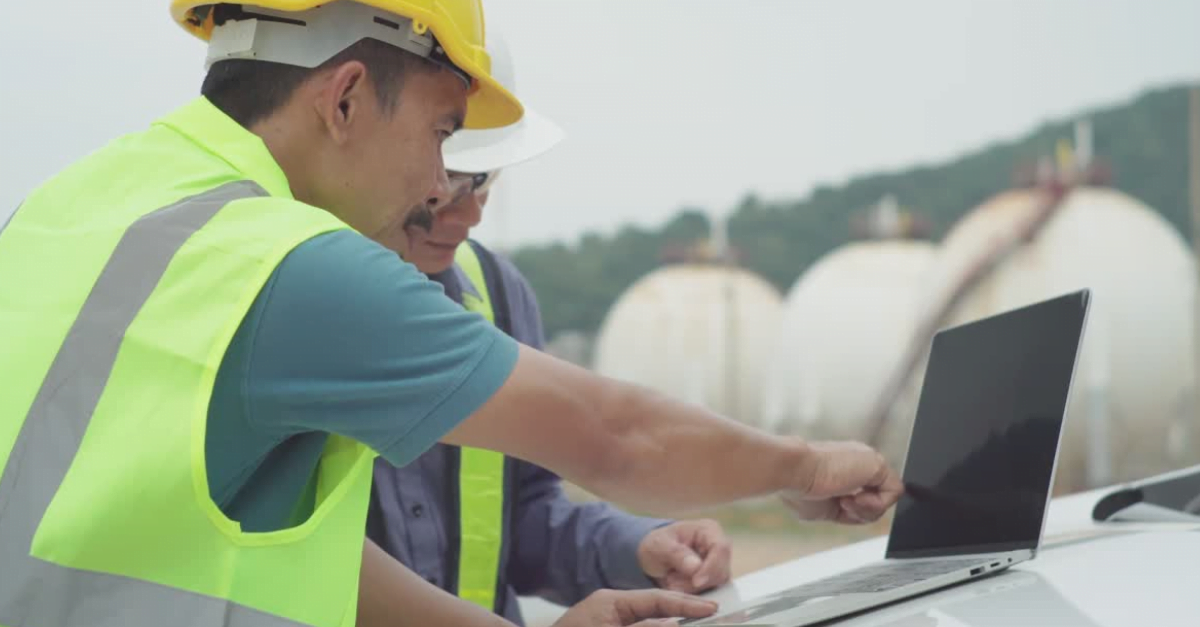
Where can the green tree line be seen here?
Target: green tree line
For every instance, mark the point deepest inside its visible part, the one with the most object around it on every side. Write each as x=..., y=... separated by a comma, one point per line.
x=1144, y=141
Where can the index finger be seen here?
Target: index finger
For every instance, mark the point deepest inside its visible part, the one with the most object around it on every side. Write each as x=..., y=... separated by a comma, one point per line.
x=869, y=505
x=717, y=556
x=885, y=478
x=664, y=604
x=891, y=488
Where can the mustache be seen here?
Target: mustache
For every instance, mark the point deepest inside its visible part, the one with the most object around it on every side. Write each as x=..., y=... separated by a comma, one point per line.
x=420, y=217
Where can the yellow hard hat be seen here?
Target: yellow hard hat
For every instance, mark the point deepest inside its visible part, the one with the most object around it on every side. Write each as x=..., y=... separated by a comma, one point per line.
x=457, y=26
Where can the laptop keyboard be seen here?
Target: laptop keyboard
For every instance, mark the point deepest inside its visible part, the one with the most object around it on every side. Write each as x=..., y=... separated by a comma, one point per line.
x=880, y=577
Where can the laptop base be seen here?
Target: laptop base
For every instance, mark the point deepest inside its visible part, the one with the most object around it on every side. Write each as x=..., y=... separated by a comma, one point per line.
x=860, y=589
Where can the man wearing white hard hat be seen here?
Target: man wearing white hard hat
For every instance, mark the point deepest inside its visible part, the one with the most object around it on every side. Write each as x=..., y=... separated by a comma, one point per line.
x=488, y=527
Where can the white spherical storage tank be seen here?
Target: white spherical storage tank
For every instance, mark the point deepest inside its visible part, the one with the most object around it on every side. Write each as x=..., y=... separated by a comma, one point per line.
x=846, y=323
x=1132, y=393
x=698, y=332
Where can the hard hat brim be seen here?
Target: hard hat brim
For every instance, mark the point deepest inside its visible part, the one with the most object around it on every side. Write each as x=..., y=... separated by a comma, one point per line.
x=489, y=105
x=533, y=135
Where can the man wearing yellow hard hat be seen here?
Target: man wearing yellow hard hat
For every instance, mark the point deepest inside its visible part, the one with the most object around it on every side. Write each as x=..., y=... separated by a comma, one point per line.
x=486, y=526
x=208, y=344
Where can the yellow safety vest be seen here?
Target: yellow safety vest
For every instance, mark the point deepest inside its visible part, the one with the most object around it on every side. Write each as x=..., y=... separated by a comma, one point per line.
x=480, y=478
x=124, y=279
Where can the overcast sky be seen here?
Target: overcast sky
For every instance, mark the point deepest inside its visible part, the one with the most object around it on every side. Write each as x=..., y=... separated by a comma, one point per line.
x=666, y=103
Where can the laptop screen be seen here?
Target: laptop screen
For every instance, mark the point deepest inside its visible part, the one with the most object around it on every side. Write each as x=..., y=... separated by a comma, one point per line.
x=985, y=439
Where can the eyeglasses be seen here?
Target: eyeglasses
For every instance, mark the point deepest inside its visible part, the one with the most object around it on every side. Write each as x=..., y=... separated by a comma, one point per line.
x=462, y=183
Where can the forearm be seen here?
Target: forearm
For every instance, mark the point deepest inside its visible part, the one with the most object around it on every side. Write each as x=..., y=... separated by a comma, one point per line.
x=668, y=455
x=390, y=595
x=564, y=551
x=627, y=443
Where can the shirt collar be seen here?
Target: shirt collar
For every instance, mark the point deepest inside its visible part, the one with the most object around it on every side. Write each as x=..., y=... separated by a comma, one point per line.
x=455, y=283
x=466, y=285
x=208, y=127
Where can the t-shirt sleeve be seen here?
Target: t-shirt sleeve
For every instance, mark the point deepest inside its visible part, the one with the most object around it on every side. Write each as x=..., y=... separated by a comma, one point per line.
x=350, y=339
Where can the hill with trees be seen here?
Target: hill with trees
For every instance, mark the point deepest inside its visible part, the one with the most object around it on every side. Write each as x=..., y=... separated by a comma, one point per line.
x=1144, y=141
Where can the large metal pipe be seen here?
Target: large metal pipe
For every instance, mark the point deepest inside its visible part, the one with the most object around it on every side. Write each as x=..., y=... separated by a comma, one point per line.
x=1054, y=192
x=1194, y=186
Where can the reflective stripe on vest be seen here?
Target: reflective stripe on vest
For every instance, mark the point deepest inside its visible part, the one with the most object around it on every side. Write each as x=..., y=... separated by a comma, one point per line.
x=32, y=591
x=87, y=569
x=480, y=478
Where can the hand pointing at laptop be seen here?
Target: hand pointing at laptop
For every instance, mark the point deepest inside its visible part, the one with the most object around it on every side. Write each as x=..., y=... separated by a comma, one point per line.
x=844, y=482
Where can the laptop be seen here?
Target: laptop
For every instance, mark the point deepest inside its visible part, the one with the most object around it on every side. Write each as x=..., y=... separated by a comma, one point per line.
x=979, y=470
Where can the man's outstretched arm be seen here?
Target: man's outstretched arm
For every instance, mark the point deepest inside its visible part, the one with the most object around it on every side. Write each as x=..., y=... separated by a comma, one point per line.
x=631, y=445
x=406, y=375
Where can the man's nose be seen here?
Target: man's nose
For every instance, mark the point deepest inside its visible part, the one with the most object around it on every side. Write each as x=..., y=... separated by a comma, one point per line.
x=467, y=211
x=440, y=193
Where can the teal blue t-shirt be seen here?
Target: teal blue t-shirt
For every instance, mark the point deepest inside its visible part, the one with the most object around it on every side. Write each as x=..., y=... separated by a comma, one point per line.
x=344, y=338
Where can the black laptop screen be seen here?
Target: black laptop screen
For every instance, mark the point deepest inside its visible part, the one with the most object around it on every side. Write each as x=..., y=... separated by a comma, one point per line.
x=983, y=446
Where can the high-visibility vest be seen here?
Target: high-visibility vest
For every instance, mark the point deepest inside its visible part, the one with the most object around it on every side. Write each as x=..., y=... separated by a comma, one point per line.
x=124, y=279
x=480, y=477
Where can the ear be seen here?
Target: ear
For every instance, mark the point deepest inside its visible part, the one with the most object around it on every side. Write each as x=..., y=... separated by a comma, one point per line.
x=344, y=100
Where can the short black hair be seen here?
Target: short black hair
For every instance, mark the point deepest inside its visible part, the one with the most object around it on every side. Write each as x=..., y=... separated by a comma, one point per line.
x=248, y=90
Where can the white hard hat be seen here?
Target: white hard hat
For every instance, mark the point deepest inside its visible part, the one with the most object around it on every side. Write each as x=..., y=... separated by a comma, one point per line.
x=473, y=151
